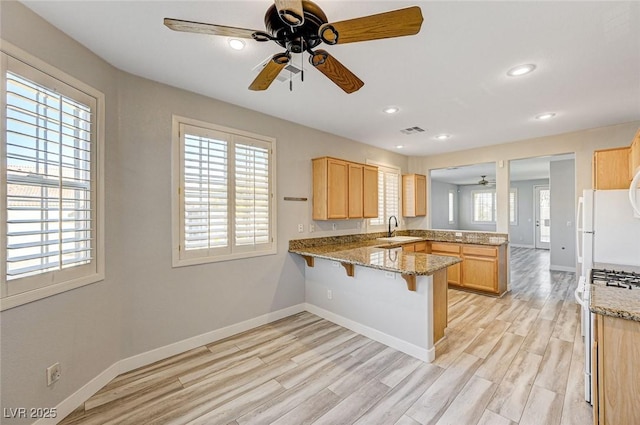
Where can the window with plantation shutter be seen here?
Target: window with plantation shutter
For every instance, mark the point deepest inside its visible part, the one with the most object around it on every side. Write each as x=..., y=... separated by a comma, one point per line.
x=51, y=225
x=225, y=187
x=388, y=197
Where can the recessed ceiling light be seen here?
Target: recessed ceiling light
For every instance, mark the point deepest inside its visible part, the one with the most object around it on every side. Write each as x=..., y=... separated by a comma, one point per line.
x=399, y=146
x=391, y=110
x=236, y=44
x=545, y=116
x=519, y=70
x=442, y=136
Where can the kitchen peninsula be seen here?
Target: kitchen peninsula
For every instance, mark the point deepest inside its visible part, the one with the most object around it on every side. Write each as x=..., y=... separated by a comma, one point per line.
x=388, y=289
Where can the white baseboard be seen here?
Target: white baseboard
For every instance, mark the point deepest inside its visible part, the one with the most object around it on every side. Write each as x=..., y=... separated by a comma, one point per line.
x=562, y=268
x=426, y=355
x=179, y=347
x=516, y=245
x=72, y=402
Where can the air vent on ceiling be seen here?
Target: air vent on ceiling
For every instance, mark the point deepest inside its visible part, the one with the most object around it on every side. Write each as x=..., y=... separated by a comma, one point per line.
x=412, y=130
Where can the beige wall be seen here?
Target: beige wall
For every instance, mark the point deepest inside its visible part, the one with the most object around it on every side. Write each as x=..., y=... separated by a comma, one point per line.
x=582, y=143
x=144, y=303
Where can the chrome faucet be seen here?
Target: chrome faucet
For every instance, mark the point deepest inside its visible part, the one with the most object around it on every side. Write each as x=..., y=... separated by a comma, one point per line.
x=396, y=220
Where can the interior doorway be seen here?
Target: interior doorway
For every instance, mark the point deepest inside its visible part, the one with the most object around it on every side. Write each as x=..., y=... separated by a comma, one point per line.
x=542, y=199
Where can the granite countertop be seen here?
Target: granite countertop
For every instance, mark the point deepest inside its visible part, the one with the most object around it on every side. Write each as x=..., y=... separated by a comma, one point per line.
x=372, y=255
x=366, y=250
x=616, y=302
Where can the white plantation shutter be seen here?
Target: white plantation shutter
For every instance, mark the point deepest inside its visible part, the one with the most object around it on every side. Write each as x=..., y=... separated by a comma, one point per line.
x=513, y=206
x=388, y=195
x=252, y=195
x=50, y=182
x=205, y=187
x=226, y=195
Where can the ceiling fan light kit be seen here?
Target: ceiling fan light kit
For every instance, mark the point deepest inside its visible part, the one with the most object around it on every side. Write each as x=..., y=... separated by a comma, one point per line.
x=300, y=26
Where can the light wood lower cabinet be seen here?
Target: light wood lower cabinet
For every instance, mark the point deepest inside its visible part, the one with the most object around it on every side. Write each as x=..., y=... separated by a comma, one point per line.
x=616, y=372
x=415, y=247
x=483, y=268
x=453, y=250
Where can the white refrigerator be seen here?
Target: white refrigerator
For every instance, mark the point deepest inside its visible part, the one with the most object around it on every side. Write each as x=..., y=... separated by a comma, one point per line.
x=608, y=233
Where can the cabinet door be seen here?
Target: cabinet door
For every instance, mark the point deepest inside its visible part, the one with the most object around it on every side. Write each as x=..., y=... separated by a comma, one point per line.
x=370, y=191
x=409, y=247
x=338, y=192
x=634, y=158
x=421, y=195
x=611, y=169
x=453, y=274
x=420, y=247
x=480, y=273
x=355, y=190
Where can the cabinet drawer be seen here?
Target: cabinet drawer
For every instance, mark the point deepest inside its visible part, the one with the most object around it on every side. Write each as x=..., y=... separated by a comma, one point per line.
x=420, y=247
x=441, y=247
x=480, y=250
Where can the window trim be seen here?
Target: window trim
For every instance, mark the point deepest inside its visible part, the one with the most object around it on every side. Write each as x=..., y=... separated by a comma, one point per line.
x=384, y=226
x=513, y=190
x=452, y=203
x=177, y=198
x=473, y=206
x=97, y=272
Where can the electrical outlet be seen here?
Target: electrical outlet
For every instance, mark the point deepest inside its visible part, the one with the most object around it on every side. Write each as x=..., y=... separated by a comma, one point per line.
x=335, y=264
x=334, y=226
x=329, y=294
x=300, y=228
x=390, y=275
x=312, y=228
x=53, y=373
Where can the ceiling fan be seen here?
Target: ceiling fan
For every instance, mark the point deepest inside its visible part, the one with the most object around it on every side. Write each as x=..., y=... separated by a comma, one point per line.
x=300, y=26
x=484, y=182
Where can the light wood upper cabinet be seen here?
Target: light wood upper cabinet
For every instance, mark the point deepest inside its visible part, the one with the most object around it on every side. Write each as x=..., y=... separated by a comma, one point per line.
x=370, y=191
x=356, y=190
x=342, y=189
x=414, y=195
x=634, y=156
x=611, y=168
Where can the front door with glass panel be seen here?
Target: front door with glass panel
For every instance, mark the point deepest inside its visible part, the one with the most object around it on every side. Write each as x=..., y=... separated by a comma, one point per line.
x=543, y=216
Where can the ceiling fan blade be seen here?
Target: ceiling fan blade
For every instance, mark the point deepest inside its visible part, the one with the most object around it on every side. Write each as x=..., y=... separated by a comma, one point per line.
x=335, y=71
x=290, y=11
x=397, y=23
x=211, y=29
x=270, y=72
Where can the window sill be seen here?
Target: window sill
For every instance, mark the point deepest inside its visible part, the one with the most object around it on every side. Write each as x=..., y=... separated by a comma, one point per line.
x=17, y=300
x=185, y=262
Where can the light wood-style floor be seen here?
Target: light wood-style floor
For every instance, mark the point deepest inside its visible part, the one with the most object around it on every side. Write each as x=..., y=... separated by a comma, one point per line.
x=512, y=360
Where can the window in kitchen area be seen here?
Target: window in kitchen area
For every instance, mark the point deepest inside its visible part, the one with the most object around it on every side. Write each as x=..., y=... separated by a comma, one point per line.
x=51, y=191
x=224, y=184
x=484, y=206
x=452, y=206
x=388, y=197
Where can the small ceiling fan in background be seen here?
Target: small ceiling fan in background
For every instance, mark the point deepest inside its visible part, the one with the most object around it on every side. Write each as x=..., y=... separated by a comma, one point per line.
x=300, y=26
x=484, y=182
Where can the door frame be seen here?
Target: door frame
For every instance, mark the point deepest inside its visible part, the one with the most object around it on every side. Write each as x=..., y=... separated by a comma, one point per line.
x=536, y=217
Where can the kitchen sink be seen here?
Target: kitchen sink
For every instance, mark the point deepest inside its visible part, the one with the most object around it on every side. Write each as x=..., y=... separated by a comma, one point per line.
x=399, y=239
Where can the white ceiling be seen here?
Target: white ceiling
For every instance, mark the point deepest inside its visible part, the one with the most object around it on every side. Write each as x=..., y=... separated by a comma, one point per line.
x=450, y=78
